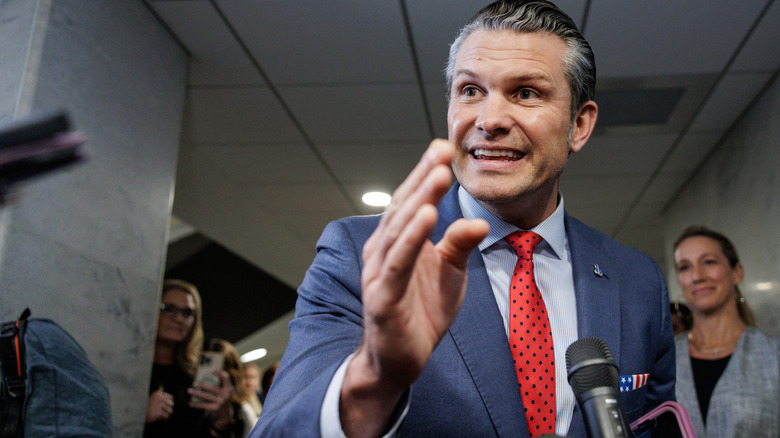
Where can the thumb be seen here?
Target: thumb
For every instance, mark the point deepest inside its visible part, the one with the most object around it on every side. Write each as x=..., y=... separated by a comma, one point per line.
x=460, y=239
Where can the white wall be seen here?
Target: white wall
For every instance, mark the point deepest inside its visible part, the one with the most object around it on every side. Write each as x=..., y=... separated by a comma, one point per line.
x=737, y=192
x=86, y=247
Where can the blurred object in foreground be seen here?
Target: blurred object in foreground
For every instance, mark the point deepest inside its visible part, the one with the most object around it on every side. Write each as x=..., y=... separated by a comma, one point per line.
x=36, y=145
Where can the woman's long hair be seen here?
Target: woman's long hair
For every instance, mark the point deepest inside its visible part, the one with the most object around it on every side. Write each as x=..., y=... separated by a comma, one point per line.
x=233, y=366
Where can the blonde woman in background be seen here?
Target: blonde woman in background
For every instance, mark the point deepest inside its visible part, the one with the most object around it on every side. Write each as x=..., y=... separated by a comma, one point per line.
x=727, y=371
x=175, y=407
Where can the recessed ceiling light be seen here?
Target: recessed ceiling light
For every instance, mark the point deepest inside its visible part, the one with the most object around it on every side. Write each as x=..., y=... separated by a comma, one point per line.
x=764, y=285
x=376, y=199
x=254, y=355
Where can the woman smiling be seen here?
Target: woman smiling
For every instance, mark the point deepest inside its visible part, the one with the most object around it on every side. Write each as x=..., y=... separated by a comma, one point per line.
x=727, y=370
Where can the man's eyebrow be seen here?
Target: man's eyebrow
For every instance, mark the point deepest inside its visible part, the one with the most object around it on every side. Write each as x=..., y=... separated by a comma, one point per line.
x=522, y=77
x=464, y=72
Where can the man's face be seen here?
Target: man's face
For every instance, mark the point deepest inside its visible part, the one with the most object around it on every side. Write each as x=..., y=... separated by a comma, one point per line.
x=509, y=117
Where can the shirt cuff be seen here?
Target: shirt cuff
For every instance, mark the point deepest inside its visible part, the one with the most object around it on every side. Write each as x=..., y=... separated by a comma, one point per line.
x=330, y=423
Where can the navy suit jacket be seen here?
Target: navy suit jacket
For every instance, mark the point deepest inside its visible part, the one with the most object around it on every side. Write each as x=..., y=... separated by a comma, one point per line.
x=468, y=387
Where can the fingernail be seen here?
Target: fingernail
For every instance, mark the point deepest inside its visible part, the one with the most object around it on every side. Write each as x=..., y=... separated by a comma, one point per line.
x=433, y=153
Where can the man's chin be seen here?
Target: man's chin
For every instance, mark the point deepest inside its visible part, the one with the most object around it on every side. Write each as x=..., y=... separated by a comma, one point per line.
x=493, y=194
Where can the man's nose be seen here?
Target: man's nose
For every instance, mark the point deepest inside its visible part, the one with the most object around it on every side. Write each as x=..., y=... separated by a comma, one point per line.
x=494, y=116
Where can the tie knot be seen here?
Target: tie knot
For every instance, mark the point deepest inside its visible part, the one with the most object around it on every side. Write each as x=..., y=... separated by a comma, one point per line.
x=524, y=243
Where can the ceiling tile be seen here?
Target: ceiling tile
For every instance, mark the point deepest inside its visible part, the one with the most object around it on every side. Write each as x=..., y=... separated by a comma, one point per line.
x=250, y=115
x=212, y=46
x=324, y=42
x=619, y=155
x=284, y=164
x=298, y=198
x=756, y=55
x=359, y=113
x=667, y=37
x=663, y=187
x=691, y=151
x=733, y=94
x=381, y=166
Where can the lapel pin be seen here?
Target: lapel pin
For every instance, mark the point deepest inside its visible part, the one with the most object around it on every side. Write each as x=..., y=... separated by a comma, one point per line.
x=597, y=271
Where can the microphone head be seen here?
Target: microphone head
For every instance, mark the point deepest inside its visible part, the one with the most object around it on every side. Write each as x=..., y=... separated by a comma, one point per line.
x=590, y=364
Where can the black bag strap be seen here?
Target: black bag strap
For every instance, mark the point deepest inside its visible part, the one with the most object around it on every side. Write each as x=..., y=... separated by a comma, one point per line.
x=14, y=374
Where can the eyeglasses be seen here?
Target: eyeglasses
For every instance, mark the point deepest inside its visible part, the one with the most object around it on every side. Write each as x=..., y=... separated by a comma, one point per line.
x=171, y=310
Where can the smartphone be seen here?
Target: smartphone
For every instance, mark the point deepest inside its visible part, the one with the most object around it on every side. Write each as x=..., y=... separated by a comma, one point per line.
x=208, y=364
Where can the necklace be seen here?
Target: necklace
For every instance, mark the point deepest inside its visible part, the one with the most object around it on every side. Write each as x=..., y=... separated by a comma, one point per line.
x=711, y=351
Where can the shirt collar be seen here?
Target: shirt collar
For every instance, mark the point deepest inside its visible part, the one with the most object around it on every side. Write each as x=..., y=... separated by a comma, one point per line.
x=551, y=229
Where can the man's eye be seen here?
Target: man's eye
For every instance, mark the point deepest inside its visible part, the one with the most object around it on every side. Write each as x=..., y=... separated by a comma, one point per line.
x=526, y=94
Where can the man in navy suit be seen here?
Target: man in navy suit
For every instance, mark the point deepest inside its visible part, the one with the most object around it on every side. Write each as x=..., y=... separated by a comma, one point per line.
x=401, y=325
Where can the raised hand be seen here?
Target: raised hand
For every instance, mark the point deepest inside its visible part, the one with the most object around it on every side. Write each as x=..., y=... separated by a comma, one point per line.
x=412, y=292
x=159, y=406
x=215, y=400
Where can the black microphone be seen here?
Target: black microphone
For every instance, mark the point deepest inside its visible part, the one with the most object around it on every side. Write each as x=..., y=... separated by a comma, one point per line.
x=593, y=375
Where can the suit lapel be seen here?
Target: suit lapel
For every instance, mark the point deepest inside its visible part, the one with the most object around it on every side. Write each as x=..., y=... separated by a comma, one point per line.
x=595, y=287
x=598, y=302
x=478, y=333
x=596, y=292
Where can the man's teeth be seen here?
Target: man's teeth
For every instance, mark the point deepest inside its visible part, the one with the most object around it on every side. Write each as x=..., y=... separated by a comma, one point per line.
x=485, y=153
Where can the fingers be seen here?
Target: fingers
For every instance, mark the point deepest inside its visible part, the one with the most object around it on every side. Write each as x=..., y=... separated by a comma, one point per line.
x=167, y=406
x=426, y=184
x=439, y=152
x=210, y=397
x=399, y=262
x=160, y=406
x=460, y=239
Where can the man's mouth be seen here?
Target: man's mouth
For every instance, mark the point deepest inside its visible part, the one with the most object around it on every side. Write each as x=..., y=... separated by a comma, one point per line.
x=501, y=155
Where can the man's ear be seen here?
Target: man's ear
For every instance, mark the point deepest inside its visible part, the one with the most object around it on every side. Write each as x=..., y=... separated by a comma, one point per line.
x=583, y=124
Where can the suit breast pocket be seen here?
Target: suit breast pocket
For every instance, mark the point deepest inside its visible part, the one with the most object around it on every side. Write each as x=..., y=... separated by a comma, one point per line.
x=634, y=403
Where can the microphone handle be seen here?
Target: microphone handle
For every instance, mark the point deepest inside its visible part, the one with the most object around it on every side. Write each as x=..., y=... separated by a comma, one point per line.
x=602, y=408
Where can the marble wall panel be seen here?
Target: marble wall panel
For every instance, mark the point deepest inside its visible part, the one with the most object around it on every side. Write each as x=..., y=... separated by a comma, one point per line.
x=17, y=17
x=121, y=80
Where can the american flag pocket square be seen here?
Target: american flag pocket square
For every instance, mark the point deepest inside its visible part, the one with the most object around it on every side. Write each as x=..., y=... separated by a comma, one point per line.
x=631, y=382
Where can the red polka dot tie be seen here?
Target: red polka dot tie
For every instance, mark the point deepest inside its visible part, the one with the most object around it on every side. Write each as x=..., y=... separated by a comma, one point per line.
x=530, y=338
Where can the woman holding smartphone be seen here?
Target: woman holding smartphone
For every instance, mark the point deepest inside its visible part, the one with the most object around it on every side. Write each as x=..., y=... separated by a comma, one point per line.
x=727, y=370
x=176, y=407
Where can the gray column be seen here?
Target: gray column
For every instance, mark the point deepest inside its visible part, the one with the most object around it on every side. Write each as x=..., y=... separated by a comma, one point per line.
x=86, y=246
